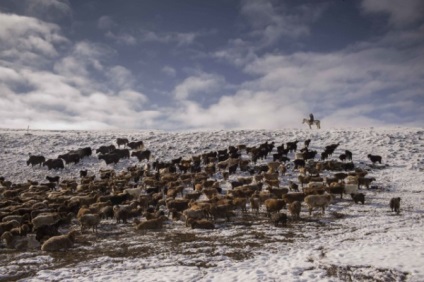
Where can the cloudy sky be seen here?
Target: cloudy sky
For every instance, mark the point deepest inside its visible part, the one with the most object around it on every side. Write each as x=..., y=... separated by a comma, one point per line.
x=222, y=64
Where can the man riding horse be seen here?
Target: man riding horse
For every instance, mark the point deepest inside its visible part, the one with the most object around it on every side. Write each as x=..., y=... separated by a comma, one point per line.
x=311, y=118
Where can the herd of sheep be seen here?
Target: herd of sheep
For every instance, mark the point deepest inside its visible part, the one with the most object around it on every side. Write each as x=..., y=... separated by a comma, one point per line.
x=194, y=190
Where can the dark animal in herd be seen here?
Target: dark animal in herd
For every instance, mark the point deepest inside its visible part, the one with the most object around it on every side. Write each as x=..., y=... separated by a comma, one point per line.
x=358, y=197
x=54, y=164
x=110, y=158
x=136, y=145
x=70, y=158
x=374, y=158
x=52, y=179
x=144, y=155
x=36, y=160
x=395, y=204
x=122, y=141
x=105, y=149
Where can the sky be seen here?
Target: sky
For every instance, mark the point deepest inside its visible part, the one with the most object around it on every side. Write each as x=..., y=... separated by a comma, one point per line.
x=222, y=64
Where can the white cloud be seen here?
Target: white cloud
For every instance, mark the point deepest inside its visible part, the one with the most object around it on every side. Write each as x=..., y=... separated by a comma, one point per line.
x=400, y=12
x=120, y=76
x=182, y=39
x=122, y=38
x=169, y=71
x=105, y=22
x=198, y=84
x=20, y=35
x=271, y=21
x=48, y=9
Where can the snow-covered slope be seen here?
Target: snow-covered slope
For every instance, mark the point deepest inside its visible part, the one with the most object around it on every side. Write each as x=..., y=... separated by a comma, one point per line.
x=359, y=242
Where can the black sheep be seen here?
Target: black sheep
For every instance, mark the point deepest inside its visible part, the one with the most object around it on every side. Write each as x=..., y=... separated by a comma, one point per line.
x=358, y=197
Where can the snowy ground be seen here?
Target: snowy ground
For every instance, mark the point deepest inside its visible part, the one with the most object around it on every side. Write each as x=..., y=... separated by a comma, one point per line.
x=350, y=242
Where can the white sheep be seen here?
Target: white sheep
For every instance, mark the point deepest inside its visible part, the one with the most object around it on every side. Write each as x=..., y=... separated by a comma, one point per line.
x=45, y=219
x=19, y=242
x=60, y=242
x=350, y=188
x=316, y=201
x=134, y=192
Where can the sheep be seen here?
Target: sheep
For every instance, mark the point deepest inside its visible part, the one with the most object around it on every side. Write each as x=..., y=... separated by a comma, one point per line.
x=374, y=158
x=60, y=242
x=365, y=181
x=314, y=201
x=177, y=205
x=18, y=242
x=279, y=217
x=22, y=230
x=7, y=226
x=273, y=166
x=278, y=192
x=16, y=217
x=358, y=197
x=255, y=204
x=339, y=189
x=153, y=224
x=292, y=197
x=120, y=214
x=293, y=186
x=134, y=192
x=193, y=214
x=221, y=211
x=106, y=212
x=274, y=205
x=89, y=220
x=202, y=224
x=44, y=219
x=294, y=209
x=395, y=204
x=350, y=188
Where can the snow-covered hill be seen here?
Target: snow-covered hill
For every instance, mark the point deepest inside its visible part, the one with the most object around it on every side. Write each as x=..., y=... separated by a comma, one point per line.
x=359, y=242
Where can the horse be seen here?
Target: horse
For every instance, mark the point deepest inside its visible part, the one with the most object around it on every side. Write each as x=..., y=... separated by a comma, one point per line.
x=315, y=122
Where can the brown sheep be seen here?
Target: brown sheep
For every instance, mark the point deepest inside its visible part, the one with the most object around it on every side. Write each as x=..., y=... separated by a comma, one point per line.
x=255, y=204
x=60, y=242
x=294, y=209
x=291, y=197
x=221, y=211
x=202, y=224
x=274, y=205
x=339, y=189
x=278, y=192
x=193, y=214
x=277, y=218
x=152, y=224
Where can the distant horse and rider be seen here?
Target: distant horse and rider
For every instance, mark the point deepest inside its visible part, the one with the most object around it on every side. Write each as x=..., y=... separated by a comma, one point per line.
x=311, y=121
